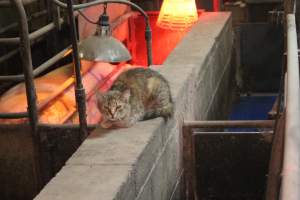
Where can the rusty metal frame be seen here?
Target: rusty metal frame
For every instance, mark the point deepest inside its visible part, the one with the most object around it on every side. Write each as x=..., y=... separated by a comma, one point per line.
x=189, y=189
x=27, y=64
x=188, y=144
x=230, y=124
x=79, y=90
x=29, y=83
x=32, y=39
x=24, y=40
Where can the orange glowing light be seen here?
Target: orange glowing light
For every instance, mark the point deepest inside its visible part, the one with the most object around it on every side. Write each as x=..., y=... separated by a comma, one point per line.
x=177, y=14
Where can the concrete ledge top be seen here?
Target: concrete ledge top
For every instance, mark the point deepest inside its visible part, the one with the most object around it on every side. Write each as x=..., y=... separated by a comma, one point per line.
x=110, y=165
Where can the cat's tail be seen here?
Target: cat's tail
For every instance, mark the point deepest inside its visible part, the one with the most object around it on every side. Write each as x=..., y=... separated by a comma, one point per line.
x=166, y=112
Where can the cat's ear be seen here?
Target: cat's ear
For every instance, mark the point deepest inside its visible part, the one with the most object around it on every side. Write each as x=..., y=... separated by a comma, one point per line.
x=126, y=95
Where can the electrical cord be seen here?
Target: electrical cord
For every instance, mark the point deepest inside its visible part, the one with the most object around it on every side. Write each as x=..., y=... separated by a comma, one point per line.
x=86, y=18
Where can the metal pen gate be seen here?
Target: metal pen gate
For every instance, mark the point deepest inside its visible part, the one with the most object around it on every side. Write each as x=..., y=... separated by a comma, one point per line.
x=224, y=157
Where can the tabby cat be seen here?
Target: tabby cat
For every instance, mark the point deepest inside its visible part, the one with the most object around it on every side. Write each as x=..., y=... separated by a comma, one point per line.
x=137, y=94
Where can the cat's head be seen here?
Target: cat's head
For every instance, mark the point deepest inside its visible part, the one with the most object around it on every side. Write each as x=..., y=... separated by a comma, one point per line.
x=114, y=105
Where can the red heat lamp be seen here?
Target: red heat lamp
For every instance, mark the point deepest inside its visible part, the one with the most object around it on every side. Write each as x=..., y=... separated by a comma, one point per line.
x=177, y=14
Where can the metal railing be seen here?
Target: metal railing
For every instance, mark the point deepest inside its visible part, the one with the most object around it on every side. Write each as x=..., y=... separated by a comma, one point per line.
x=32, y=37
x=24, y=41
x=32, y=111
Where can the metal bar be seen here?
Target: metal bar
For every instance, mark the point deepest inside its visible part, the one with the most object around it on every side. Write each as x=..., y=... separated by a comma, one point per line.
x=291, y=160
x=15, y=51
x=231, y=124
x=40, y=69
x=276, y=156
x=13, y=115
x=288, y=6
x=27, y=64
x=195, y=133
x=6, y=3
x=275, y=163
x=187, y=162
x=90, y=126
x=79, y=90
x=9, y=55
x=148, y=32
x=8, y=27
x=29, y=83
x=32, y=36
x=15, y=24
x=148, y=36
x=193, y=169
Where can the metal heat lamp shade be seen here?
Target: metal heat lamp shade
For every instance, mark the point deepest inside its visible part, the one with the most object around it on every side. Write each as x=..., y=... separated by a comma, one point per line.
x=102, y=46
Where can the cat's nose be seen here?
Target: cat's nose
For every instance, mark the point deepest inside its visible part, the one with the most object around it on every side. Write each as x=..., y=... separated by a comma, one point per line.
x=112, y=115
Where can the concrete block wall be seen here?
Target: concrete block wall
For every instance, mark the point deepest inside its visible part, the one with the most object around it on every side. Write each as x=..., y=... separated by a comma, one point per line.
x=144, y=162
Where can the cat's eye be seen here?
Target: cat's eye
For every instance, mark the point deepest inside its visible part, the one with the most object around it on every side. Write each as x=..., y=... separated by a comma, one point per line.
x=118, y=107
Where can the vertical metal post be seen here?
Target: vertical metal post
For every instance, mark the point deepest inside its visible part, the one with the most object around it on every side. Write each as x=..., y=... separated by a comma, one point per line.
x=275, y=163
x=189, y=165
x=79, y=90
x=148, y=36
x=288, y=6
x=29, y=83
